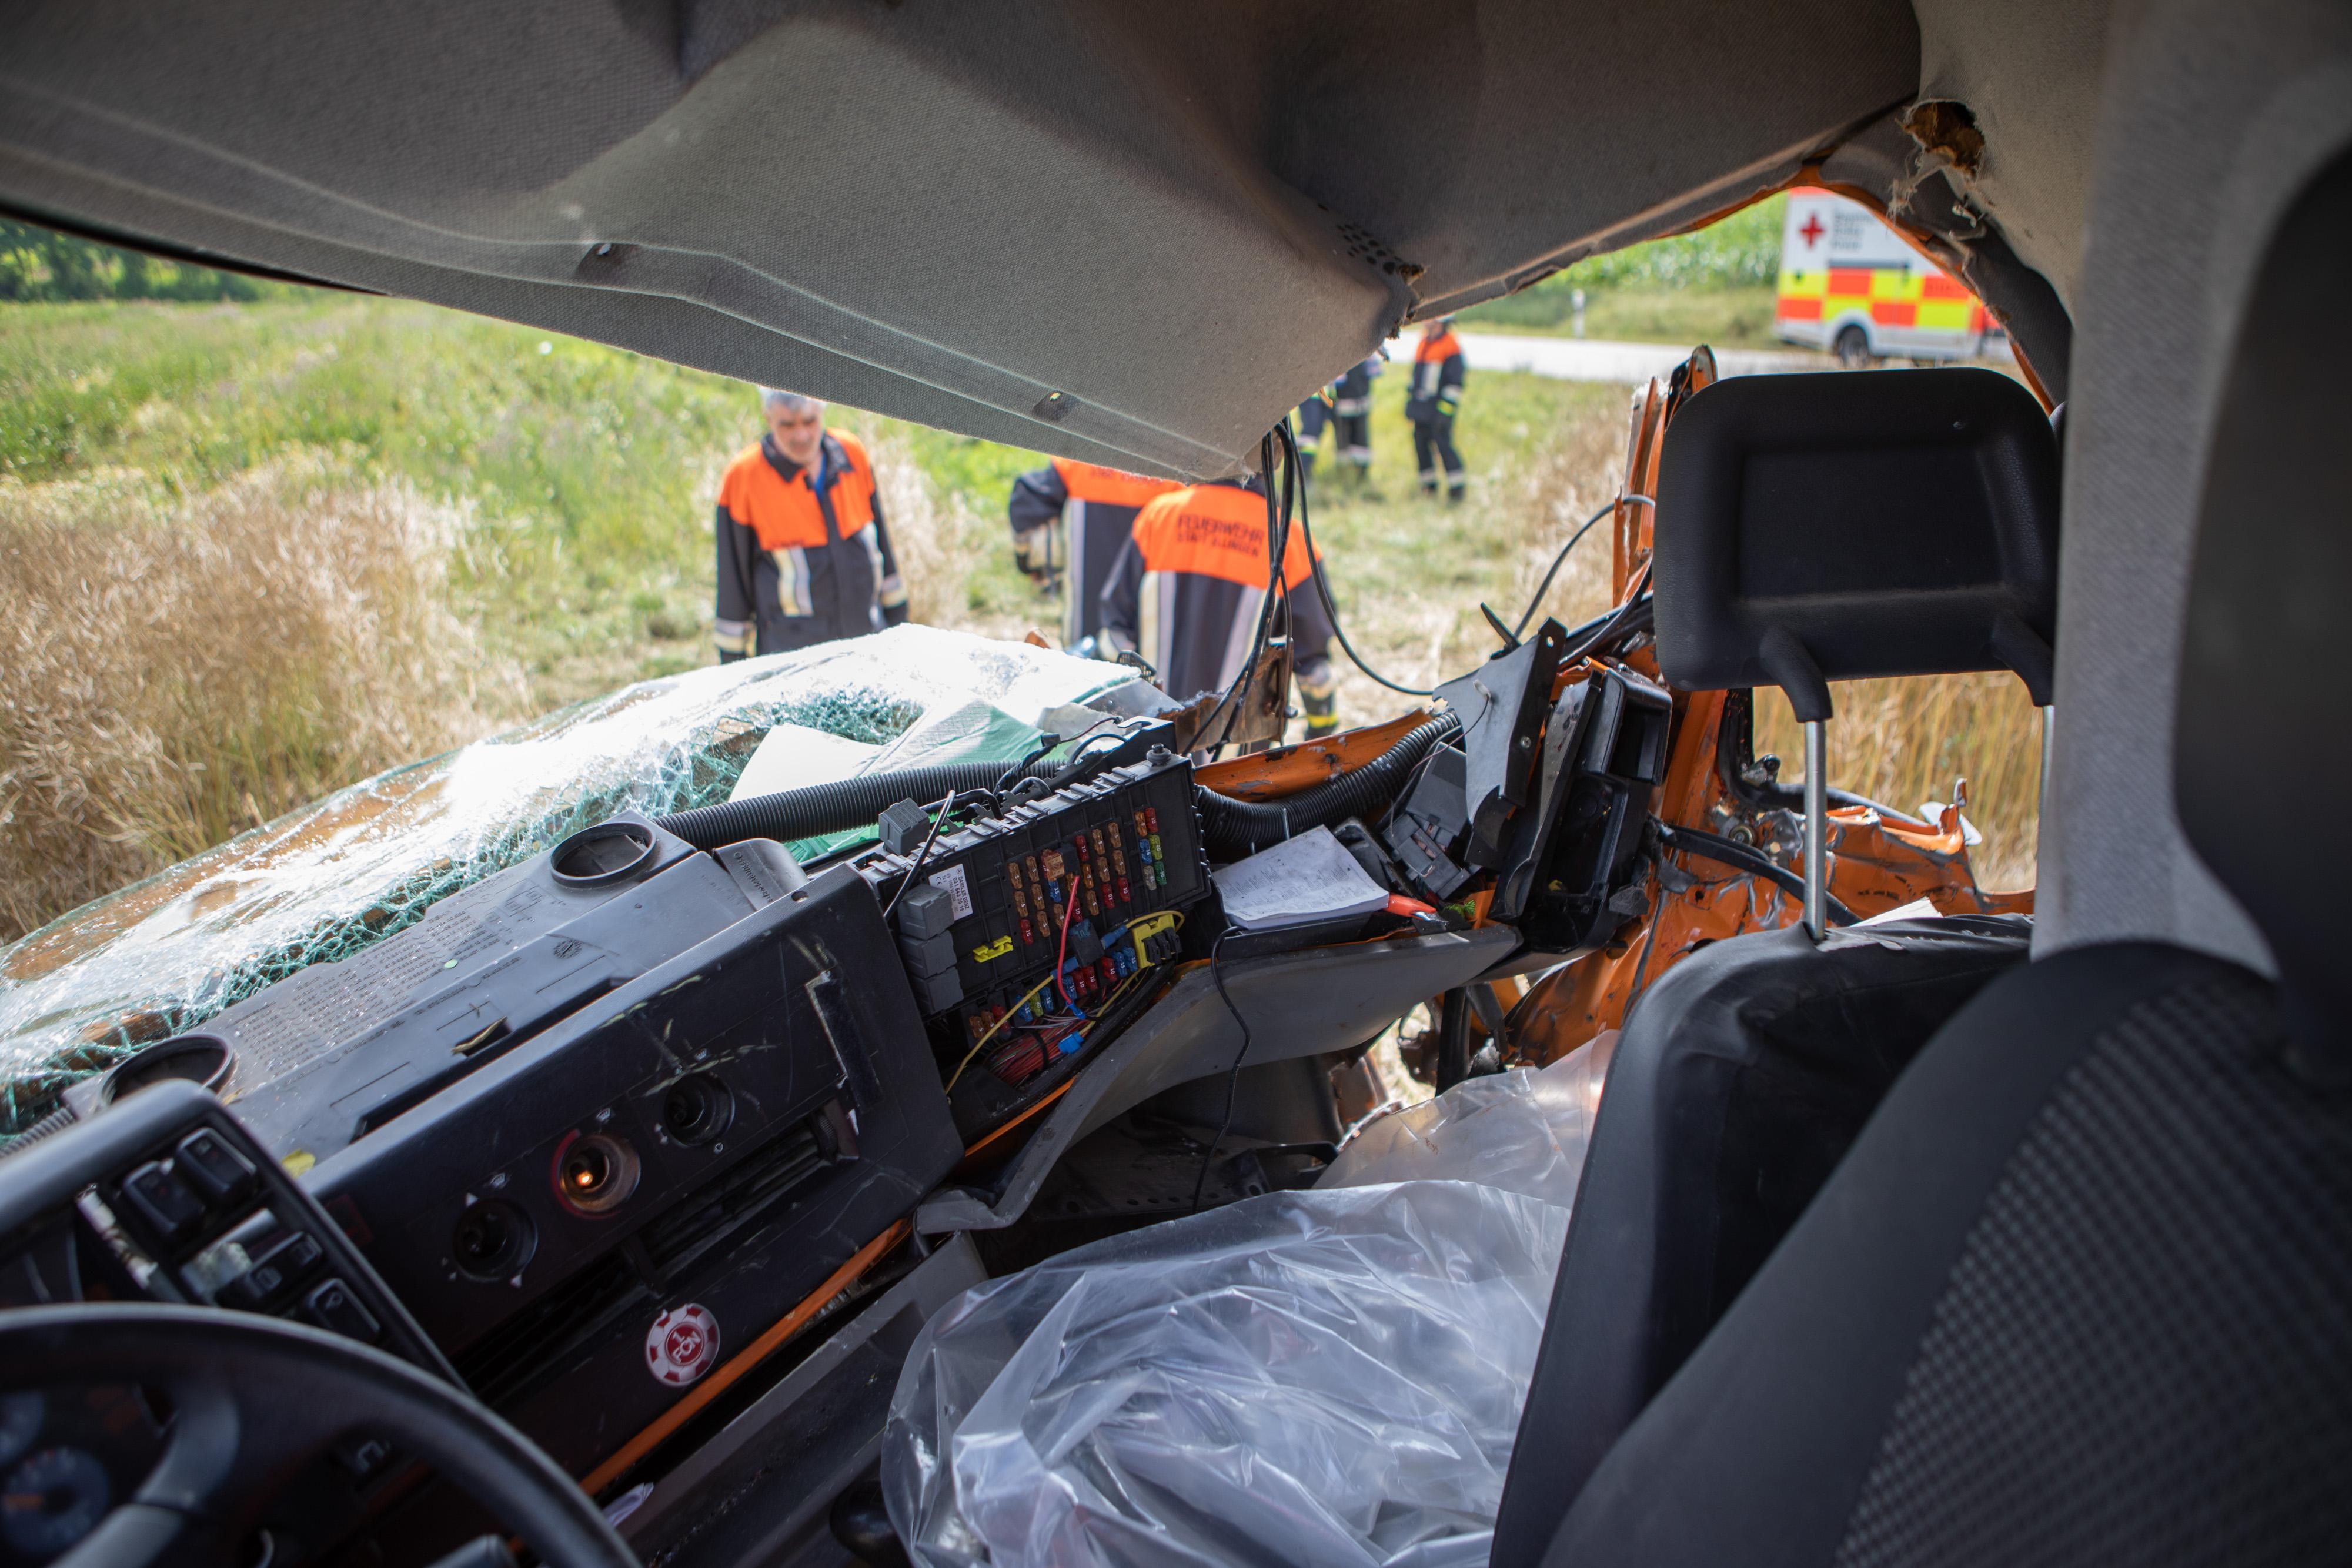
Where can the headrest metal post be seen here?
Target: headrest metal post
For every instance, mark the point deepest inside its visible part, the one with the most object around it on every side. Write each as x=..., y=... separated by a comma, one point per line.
x=1817, y=823
x=2049, y=751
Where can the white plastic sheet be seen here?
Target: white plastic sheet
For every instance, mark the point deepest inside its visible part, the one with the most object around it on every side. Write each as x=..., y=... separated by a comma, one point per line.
x=1331, y=1377
x=1523, y=1131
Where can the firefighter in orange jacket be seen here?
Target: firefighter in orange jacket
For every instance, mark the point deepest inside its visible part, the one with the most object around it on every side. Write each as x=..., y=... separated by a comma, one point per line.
x=1072, y=519
x=804, y=554
x=1430, y=402
x=1186, y=592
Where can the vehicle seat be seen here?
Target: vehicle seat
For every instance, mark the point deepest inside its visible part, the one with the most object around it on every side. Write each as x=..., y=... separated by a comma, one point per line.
x=2079, y=1292
x=1735, y=1089
x=1811, y=528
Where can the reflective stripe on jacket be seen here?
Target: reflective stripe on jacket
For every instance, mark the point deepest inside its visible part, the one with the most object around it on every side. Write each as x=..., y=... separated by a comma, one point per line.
x=1436, y=390
x=803, y=558
x=1187, y=590
x=1095, y=507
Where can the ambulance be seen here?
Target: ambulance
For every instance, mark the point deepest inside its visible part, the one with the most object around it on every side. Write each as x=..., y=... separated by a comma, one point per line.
x=1850, y=284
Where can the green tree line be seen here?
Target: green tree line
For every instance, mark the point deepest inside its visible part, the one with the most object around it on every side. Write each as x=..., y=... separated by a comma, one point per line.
x=39, y=264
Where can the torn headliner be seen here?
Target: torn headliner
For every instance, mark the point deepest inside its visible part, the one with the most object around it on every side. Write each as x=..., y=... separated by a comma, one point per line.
x=1181, y=219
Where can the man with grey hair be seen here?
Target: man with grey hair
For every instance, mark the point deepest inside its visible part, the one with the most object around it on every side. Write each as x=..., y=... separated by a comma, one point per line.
x=804, y=554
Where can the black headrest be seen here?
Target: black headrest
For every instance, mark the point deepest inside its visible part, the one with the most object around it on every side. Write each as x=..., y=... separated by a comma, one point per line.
x=2262, y=735
x=1838, y=527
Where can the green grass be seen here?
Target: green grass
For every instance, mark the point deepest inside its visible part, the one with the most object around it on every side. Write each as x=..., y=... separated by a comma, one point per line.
x=588, y=472
x=1732, y=317
x=1714, y=286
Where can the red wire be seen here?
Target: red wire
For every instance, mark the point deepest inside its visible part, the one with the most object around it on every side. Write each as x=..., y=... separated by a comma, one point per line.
x=1069, y=907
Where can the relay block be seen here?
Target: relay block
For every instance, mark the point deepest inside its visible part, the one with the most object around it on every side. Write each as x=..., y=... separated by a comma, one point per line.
x=1023, y=930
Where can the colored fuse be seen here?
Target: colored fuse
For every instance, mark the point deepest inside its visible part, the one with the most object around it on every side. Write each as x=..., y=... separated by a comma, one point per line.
x=1054, y=872
x=1151, y=820
x=1037, y=885
x=1142, y=849
x=1024, y=1015
x=1160, y=858
x=1102, y=860
x=1109, y=972
x=1019, y=899
x=1119, y=866
x=1087, y=880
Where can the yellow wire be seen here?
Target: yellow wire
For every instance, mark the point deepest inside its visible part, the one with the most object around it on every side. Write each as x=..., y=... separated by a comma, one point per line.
x=1025, y=1001
x=999, y=1023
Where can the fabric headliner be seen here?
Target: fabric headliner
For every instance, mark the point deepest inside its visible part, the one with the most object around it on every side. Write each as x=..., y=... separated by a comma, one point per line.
x=1181, y=219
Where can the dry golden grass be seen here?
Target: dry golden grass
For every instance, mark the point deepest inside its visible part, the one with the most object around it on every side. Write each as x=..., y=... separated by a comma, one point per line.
x=943, y=542
x=1410, y=572
x=174, y=674
x=1904, y=741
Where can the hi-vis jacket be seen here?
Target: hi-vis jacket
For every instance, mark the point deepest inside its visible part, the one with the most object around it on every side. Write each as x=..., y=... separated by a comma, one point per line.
x=1092, y=509
x=803, y=558
x=1436, y=390
x=1186, y=591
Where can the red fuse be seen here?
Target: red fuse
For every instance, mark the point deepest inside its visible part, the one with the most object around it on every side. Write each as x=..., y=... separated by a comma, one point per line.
x=1109, y=973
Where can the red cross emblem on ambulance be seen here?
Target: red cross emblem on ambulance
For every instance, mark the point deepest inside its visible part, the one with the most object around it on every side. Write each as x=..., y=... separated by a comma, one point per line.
x=682, y=1345
x=1812, y=229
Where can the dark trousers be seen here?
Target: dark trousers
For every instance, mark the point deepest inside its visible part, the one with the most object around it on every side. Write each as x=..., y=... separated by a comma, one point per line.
x=1432, y=443
x=1355, y=438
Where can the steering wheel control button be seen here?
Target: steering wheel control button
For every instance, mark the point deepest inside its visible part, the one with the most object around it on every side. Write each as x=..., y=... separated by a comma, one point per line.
x=363, y=1455
x=163, y=1200
x=334, y=1306
x=682, y=1345
x=273, y=1274
x=213, y=1167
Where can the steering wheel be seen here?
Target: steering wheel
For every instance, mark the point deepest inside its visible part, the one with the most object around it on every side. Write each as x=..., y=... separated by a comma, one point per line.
x=254, y=1399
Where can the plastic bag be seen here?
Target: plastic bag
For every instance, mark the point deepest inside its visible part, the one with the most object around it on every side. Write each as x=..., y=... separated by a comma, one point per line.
x=1326, y=1377
x=1523, y=1131
x=323, y=882
x=1314, y=1377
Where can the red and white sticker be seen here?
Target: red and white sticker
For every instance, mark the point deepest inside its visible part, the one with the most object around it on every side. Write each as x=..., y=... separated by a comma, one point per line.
x=682, y=1345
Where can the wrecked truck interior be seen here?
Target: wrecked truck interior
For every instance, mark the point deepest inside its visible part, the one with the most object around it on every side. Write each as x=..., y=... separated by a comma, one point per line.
x=603, y=1147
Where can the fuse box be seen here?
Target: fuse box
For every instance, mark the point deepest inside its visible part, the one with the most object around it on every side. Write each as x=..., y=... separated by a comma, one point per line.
x=1026, y=934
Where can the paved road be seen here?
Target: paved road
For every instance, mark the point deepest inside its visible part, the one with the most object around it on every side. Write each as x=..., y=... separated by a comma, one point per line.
x=1590, y=359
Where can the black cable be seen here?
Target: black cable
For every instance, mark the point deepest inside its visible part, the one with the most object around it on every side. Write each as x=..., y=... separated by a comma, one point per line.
x=1331, y=605
x=1748, y=858
x=1545, y=587
x=1276, y=537
x=1045, y=744
x=1234, y=828
x=1232, y=1074
x=930, y=839
x=1639, y=607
